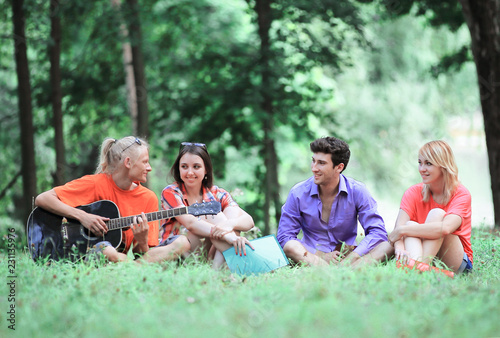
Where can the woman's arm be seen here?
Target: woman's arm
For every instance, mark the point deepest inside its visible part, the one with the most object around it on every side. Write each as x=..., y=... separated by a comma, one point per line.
x=197, y=225
x=203, y=228
x=431, y=230
x=236, y=219
x=396, y=239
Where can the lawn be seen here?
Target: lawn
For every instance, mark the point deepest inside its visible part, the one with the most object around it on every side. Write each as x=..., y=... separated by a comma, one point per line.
x=191, y=300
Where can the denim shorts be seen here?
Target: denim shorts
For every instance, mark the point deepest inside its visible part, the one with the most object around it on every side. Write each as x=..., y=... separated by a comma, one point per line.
x=97, y=249
x=466, y=265
x=169, y=240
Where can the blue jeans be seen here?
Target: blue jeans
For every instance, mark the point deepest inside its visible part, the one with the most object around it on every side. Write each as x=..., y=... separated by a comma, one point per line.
x=96, y=250
x=169, y=240
x=466, y=265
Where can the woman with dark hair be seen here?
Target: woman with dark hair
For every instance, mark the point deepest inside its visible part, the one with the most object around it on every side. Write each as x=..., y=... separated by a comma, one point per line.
x=193, y=175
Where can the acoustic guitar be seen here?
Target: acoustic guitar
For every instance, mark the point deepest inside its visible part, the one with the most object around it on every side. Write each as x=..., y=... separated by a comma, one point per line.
x=54, y=237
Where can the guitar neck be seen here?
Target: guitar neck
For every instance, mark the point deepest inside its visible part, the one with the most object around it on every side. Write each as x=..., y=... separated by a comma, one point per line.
x=123, y=222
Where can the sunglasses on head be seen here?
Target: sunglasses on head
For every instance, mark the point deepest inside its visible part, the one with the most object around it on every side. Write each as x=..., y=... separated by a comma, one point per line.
x=183, y=144
x=136, y=141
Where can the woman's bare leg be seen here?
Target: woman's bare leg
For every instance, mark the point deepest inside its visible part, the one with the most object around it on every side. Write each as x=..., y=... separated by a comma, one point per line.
x=414, y=246
x=430, y=247
x=451, y=252
x=219, y=260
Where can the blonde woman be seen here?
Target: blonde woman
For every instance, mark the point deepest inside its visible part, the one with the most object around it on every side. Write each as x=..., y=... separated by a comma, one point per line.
x=434, y=219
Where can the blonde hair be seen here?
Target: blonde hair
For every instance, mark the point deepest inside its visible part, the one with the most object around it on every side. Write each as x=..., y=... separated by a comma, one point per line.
x=440, y=154
x=113, y=151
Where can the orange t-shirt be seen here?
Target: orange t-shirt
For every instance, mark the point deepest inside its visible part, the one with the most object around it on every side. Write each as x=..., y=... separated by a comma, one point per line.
x=459, y=204
x=93, y=188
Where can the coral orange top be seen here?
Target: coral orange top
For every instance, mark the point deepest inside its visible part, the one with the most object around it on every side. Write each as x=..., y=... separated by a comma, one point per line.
x=459, y=204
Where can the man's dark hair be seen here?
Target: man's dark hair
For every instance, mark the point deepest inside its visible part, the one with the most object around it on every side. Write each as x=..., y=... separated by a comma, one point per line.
x=330, y=145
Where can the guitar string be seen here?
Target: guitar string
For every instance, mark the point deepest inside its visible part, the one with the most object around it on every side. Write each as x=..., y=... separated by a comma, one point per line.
x=123, y=222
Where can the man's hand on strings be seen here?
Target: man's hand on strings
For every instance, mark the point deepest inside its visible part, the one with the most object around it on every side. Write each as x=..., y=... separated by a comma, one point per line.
x=140, y=229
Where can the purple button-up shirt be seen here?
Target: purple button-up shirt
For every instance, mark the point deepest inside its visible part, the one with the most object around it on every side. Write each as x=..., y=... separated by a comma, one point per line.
x=303, y=208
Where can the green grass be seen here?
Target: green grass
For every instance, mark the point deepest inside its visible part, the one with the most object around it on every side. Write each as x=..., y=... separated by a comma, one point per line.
x=127, y=300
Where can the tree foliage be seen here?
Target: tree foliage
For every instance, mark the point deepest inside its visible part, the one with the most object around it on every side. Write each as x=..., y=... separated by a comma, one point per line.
x=203, y=70
x=482, y=18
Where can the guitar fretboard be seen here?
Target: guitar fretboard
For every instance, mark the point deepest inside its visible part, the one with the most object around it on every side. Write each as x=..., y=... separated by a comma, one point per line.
x=122, y=222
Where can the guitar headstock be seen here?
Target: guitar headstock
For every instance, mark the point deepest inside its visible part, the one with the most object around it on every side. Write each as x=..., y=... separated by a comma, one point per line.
x=207, y=208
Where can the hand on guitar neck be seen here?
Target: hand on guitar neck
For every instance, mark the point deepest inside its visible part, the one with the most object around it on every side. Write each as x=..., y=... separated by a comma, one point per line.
x=98, y=226
x=140, y=229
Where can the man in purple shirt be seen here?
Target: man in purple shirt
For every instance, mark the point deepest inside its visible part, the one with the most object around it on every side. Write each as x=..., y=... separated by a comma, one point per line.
x=327, y=207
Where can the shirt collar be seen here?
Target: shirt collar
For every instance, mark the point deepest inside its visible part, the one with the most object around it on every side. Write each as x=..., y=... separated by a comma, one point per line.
x=342, y=186
x=205, y=192
x=314, y=188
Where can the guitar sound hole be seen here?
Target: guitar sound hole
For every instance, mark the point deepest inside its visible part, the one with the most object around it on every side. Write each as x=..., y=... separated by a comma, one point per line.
x=89, y=234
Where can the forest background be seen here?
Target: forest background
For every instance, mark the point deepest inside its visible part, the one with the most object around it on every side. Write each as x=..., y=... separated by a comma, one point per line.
x=256, y=81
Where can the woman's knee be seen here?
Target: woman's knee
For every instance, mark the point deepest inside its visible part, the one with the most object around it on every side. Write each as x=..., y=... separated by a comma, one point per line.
x=435, y=215
x=294, y=249
x=114, y=256
x=182, y=244
x=412, y=241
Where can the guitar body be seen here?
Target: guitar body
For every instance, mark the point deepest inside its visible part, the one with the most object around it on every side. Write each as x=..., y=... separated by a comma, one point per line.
x=55, y=237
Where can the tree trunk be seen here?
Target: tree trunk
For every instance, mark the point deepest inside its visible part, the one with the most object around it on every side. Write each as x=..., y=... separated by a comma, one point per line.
x=56, y=94
x=129, y=72
x=483, y=20
x=130, y=82
x=271, y=187
x=139, y=73
x=28, y=167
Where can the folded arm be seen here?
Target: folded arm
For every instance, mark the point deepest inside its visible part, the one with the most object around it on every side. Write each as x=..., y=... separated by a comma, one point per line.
x=430, y=230
x=204, y=228
x=236, y=219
